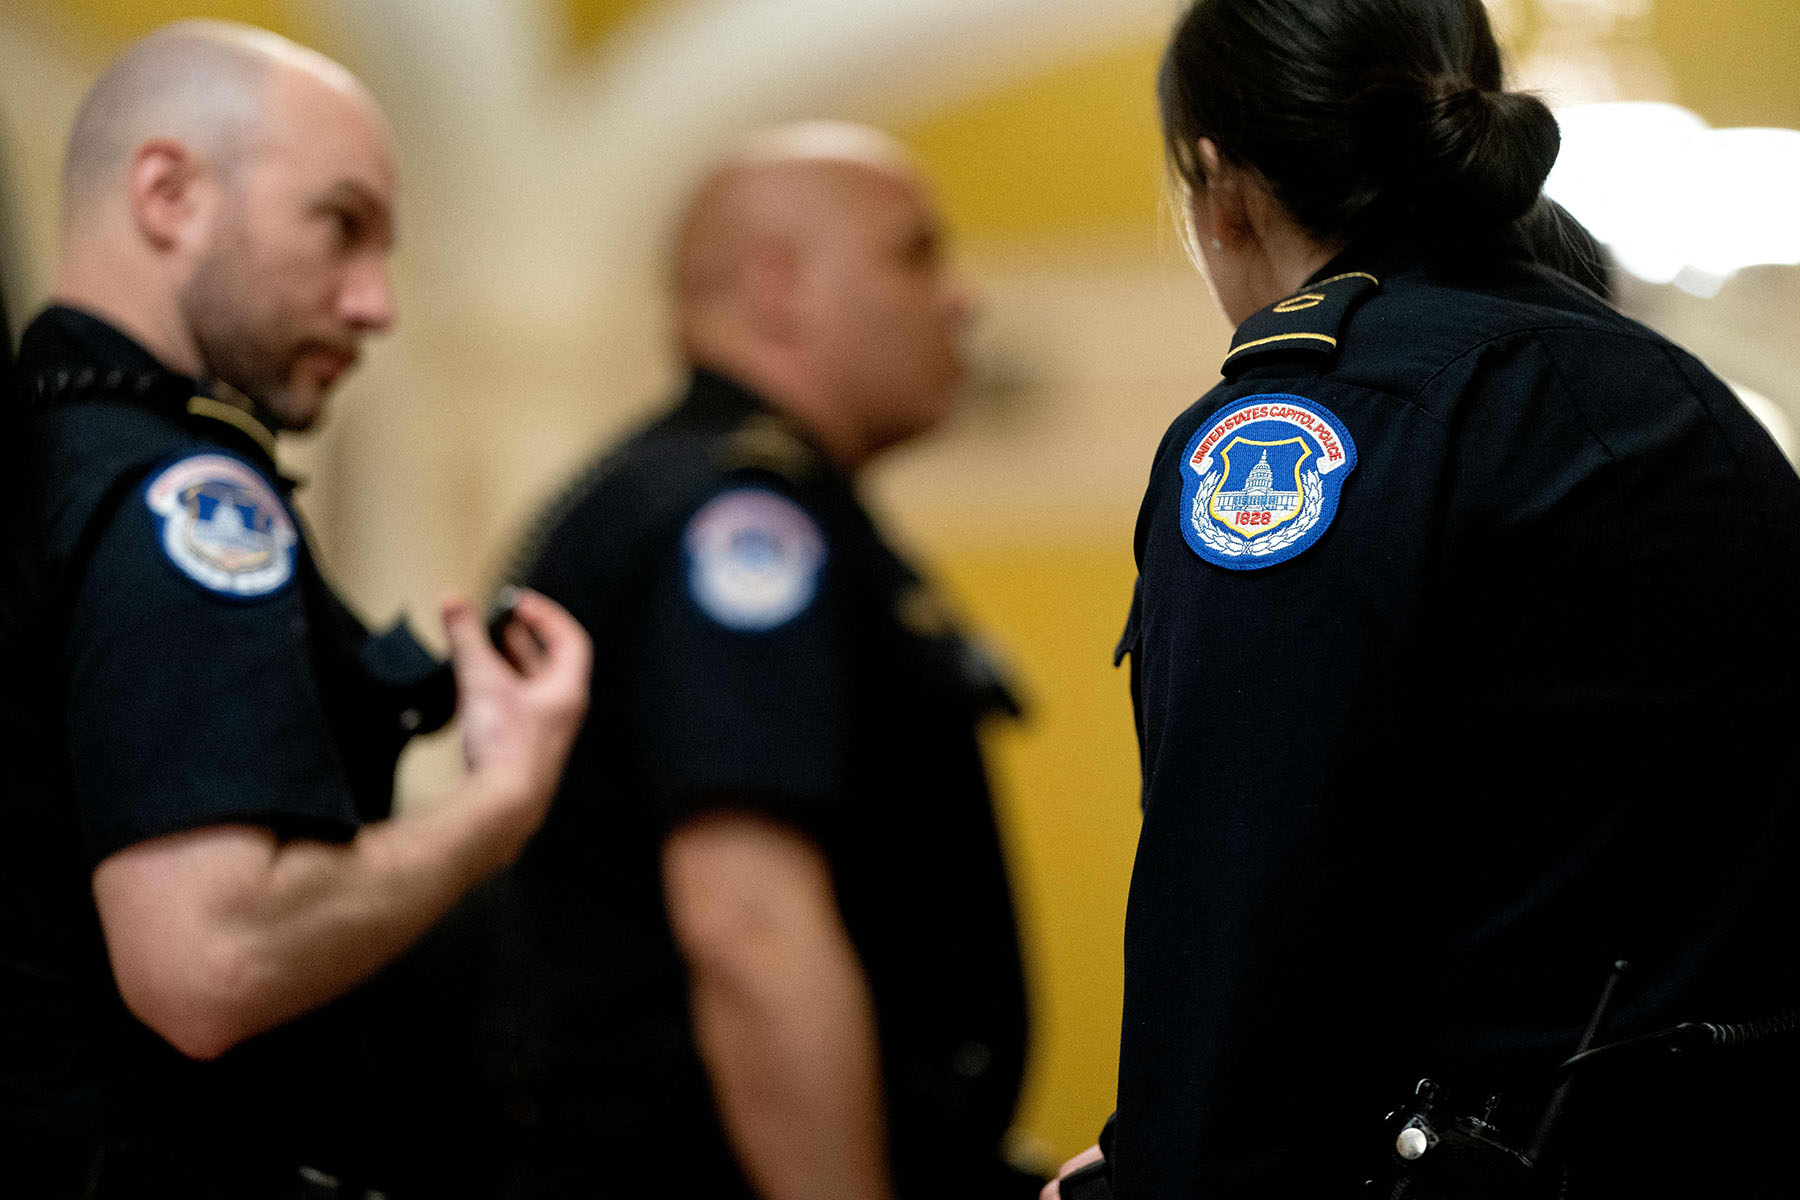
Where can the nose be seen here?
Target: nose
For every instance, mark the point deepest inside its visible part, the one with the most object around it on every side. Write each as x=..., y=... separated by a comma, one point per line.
x=367, y=301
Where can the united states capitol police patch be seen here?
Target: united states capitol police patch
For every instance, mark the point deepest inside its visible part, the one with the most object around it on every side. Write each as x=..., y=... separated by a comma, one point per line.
x=754, y=559
x=223, y=526
x=1260, y=481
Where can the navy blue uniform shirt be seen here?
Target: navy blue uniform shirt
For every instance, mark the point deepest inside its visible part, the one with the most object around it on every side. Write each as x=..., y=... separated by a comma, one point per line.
x=757, y=646
x=175, y=661
x=1461, y=665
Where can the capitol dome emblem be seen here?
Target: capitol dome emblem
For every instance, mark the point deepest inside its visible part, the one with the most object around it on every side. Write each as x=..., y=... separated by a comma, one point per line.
x=223, y=526
x=1261, y=480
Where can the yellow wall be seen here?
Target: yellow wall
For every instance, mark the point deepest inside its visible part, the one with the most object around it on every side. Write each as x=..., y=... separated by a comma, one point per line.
x=588, y=23
x=1068, y=157
x=112, y=23
x=1067, y=786
x=1071, y=153
x=1075, y=151
x=1735, y=62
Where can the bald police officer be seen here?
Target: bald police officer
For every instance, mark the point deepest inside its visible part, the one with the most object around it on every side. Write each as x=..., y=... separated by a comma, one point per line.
x=765, y=942
x=197, y=845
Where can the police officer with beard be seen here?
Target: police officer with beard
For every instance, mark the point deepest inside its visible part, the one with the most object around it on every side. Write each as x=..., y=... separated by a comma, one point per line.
x=201, y=736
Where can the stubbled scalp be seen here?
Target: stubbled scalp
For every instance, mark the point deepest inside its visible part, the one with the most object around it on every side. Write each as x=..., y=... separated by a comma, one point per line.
x=808, y=267
x=825, y=141
x=229, y=203
x=776, y=184
x=773, y=186
x=732, y=211
x=202, y=83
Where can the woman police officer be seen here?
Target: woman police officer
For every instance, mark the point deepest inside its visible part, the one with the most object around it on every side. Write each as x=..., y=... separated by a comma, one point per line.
x=1457, y=656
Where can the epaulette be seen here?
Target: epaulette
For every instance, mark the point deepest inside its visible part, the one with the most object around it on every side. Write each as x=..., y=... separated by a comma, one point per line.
x=766, y=443
x=1307, y=323
x=231, y=407
x=157, y=389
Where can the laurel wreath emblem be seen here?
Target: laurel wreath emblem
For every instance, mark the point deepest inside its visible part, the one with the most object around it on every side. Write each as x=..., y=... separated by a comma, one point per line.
x=1220, y=542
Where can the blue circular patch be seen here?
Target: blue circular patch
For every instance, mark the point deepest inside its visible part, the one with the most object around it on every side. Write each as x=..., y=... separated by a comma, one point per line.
x=754, y=559
x=1260, y=480
x=223, y=526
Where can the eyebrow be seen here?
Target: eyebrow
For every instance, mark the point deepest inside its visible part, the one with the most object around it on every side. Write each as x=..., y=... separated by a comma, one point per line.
x=356, y=194
x=928, y=239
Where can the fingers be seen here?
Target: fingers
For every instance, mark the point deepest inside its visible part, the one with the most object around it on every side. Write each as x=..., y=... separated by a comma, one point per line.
x=1090, y=1155
x=1053, y=1189
x=523, y=649
x=469, y=645
x=546, y=620
x=557, y=642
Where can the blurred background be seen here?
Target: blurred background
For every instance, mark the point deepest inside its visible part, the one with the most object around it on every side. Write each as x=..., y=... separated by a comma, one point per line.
x=546, y=145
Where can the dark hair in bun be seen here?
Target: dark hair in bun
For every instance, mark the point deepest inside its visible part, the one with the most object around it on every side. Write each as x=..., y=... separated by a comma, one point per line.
x=1374, y=120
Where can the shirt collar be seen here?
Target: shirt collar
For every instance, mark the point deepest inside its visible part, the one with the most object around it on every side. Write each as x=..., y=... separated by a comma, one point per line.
x=68, y=352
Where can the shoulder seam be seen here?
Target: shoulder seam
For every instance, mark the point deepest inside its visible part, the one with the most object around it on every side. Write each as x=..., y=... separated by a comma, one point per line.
x=1296, y=387
x=1679, y=360
x=1573, y=398
x=1534, y=332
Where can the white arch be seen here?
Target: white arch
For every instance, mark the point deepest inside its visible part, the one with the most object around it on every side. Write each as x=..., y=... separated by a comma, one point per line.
x=612, y=146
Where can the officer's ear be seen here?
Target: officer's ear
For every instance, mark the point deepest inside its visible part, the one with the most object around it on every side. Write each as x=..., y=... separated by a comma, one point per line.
x=1221, y=205
x=171, y=194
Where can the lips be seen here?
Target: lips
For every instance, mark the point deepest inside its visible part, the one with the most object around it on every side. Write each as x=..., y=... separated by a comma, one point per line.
x=328, y=363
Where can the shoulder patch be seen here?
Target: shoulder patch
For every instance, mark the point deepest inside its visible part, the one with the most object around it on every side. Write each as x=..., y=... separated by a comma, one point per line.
x=754, y=559
x=223, y=526
x=1260, y=481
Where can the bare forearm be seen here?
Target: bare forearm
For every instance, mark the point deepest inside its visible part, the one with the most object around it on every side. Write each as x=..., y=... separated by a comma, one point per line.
x=329, y=916
x=263, y=930
x=222, y=932
x=793, y=1058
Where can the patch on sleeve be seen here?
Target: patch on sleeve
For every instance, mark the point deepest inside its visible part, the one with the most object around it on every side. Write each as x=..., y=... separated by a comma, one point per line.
x=754, y=559
x=1260, y=481
x=223, y=526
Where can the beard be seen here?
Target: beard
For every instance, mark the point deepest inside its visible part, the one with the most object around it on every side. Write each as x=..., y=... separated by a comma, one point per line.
x=245, y=343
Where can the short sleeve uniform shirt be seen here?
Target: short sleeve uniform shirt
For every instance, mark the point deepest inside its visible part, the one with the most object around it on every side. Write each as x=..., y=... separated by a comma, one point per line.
x=759, y=646
x=180, y=664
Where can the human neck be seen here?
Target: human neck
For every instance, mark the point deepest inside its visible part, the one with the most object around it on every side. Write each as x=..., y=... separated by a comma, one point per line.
x=790, y=389
x=1287, y=257
x=137, y=304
